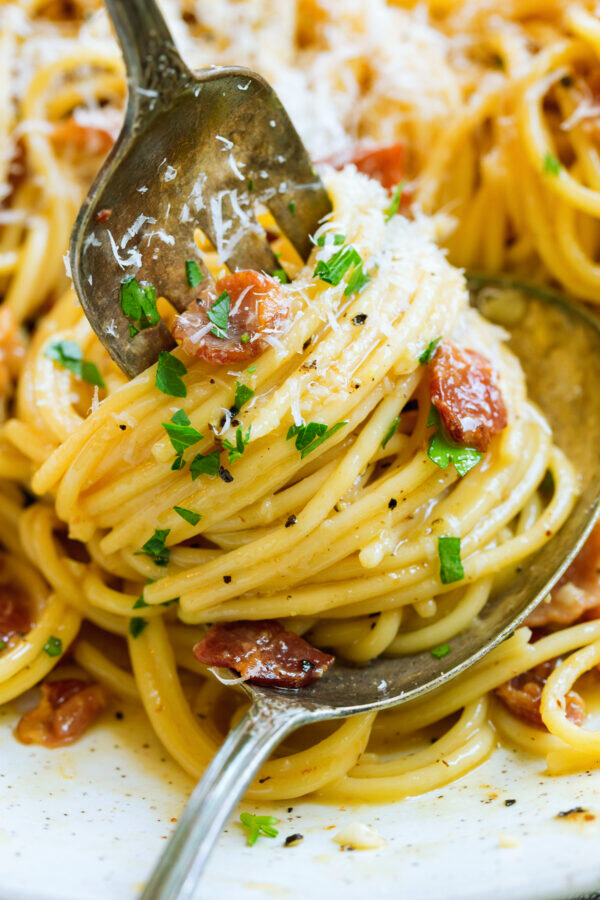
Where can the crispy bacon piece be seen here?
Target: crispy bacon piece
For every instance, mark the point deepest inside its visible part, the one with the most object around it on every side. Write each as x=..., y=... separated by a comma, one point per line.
x=66, y=709
x=386, y=164
x=263, y=653
x=83, y=138
x=577, y=594
x=258, y=309
x=464, y=391
x=523, y=694
x=14, y=614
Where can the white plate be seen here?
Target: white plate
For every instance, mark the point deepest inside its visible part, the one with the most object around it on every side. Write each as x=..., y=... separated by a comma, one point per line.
x=89, y=821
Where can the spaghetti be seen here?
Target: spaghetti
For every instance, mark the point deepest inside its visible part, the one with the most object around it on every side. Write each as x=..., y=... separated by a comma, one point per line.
x=312, y=482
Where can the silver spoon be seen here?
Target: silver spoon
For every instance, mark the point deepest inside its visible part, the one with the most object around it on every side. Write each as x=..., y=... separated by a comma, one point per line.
x=544, y=328
x=195, y=150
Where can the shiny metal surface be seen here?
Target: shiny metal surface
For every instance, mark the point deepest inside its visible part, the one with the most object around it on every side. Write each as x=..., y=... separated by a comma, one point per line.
x=196, y=150
x=559, y=347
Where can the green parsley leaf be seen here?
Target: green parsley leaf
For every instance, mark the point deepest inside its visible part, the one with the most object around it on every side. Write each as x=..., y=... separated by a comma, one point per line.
x=441, y=651
x=155, y=547
x=2, y=645
x=552, y=165
x=68, y=355
x=241, y=441
x=251, y=184
x=192, y=272
x=251, y=369
x=338, y=240
x=292, y=207
x=333, y=270
x=281, y=274
x=429, y=351
x=451, y=567
x=191, y=517
x=140, y=603
x=218, y=314
x=309, y=437
x=242, y=395
x=390, y=432
x=257, y=825
x=205, y=464
x=357, y=282
x=53, y=646
x=443, y=450
x=168, y=375
x=178, y=463
x=138, y=302
x=394, y=206
x=245, y=338
x=136, y=626
x=181, y=433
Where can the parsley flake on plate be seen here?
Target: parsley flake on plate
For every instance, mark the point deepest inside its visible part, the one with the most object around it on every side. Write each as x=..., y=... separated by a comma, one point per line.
x=188, y=515
x=357, y=282
x=309, y=437
x=281, y=274
x=218, y=314
x=53, y=646
x=181, y=432
x=205, y=464
x=333, y=270
x=242, y=395
x=136, y=626
x=138, y=302
x=451, y=567
x=168, y=375
x=443, y=450
x=258, y=825
x=390, y=432
x=155, y=547
x=552, y=165
x=429, y=351
x=241, y=441
x=338, y=240
x=441, y=651
x=394, y=206
x=192, y=273
x=69, y=355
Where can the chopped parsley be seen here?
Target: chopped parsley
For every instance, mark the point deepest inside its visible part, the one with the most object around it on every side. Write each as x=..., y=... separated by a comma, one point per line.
x=281, y=274
x=357, y=282
x=441, y=651
x=192, y=272
x=53, y=646
x=242, y=395
x=241, y=441
x=443, y=450
x=140, y=603
x=68, y=354
x=245, y=338
x=360, y=319
x=394, y=206
x=292, y=207
x=257, y=825
x=390, y=432
x=333, y=270
x=168, y=375
x=181, y=433
x=451, y=567
x=251, y=184
x=251, y=369
x=155, y=547
x=309, y=437
x=429, y=351
x=218, y=314
x=2, y=645
x=188, y=515
x=338, y=240
x=136, y=626
x=552, y=165
x=138, y=302
x=205, y=464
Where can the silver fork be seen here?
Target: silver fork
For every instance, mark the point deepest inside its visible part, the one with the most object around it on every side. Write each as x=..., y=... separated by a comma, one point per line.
x=196, y=150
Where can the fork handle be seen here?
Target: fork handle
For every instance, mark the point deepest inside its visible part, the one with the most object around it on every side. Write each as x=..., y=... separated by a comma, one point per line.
x=227, y=777
x=152, y=60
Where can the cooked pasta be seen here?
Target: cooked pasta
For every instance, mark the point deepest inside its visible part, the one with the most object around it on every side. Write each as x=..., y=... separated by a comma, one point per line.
x=320, y=481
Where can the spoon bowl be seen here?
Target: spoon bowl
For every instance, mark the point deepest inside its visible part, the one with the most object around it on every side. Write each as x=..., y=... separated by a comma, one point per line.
x=558, y=344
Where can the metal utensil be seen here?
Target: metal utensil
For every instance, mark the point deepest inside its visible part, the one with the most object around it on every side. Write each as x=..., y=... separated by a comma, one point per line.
x=196, y=150
x=569, y=397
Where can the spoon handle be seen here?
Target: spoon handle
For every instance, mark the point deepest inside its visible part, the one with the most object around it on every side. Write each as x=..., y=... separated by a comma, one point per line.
x=153, y=62
x=222, y=785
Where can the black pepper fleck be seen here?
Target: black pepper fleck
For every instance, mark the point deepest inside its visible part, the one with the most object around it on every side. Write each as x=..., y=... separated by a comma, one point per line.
x=509, y=802
x=293, y=839
x=225, y=475
x=227, y=579
x=393, y=503
x=291, y=521
x=360, y=319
